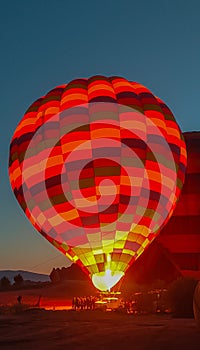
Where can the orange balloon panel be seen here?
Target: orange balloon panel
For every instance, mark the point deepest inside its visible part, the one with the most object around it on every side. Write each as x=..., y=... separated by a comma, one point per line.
x=97, y=166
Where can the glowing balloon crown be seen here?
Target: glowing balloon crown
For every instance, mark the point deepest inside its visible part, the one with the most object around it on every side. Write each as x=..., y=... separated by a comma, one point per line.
x=97, y=166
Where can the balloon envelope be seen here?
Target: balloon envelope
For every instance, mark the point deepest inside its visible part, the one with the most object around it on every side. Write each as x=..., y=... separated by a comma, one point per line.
x=97, y=165
x=181, y=235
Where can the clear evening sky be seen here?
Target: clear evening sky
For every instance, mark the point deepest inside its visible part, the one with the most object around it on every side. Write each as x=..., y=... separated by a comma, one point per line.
x=48, y=43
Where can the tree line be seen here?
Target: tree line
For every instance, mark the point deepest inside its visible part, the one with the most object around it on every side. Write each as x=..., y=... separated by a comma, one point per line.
x=6, y=284
x=72, y=272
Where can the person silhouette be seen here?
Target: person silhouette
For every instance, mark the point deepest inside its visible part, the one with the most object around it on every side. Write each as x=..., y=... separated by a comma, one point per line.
x=19, y=299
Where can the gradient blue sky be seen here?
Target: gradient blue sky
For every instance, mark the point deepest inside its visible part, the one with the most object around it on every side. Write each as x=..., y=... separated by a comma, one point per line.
x=48, y=43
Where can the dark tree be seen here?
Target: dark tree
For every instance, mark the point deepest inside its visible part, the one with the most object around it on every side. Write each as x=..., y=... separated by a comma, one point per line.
x=72, y=272
x=5, y=283
x=55, y=276
x=18, y=280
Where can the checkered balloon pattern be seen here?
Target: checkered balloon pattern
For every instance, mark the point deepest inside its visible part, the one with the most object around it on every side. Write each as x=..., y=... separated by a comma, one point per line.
x=97, y=165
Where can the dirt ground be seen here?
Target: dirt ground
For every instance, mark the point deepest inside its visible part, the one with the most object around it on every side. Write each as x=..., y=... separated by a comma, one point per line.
x=52, y=330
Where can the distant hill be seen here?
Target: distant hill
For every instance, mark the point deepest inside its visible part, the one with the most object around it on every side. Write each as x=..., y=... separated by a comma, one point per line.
x=27, y=275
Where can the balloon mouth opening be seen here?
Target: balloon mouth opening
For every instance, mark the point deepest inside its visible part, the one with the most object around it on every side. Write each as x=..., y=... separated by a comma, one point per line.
x=105, y=280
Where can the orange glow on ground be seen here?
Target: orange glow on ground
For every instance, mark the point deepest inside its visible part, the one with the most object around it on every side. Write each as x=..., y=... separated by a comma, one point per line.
x=9, y=298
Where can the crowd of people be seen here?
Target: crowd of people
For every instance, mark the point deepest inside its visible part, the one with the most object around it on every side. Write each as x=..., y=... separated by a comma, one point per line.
x=84, y=303
x=141, y=302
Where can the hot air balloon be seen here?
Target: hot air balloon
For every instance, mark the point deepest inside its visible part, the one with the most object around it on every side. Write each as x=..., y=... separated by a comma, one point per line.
x=181, y=236
x=97, y=165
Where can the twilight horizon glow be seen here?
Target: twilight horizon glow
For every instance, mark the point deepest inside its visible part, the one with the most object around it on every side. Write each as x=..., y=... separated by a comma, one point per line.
x=97, y=165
